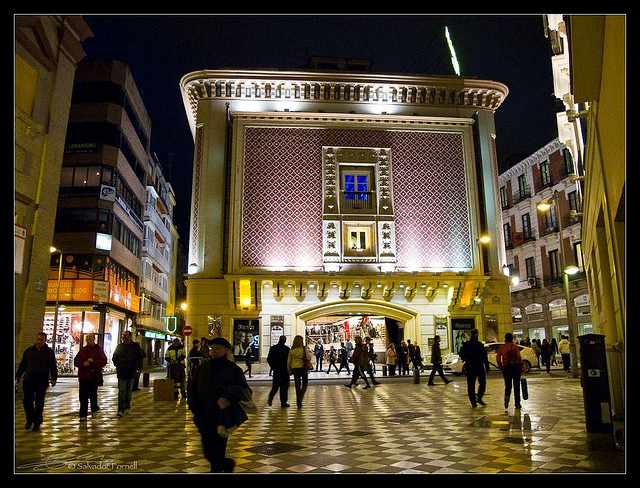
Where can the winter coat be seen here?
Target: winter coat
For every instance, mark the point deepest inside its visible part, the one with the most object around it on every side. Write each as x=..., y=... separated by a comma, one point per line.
x=509, y=355
x=127, y=359
x=392, y=356
x=545, y=351
x=360, y=356
x=218, y=378
x=436, y=354
x=278, y=357
x=564, y=346
x=318, y=350
x=38, y=365
x=295, y=358
x=344, y=355
x=474, y=355
x=92, y=372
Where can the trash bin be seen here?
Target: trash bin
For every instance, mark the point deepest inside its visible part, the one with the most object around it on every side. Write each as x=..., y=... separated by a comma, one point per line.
x=384, y=370
x=595, y=384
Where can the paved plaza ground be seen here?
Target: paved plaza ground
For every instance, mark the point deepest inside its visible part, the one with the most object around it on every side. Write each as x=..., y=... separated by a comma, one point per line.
x=397, y=427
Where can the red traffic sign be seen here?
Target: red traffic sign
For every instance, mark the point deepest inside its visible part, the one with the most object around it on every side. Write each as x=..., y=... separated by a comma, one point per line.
x=187, y=330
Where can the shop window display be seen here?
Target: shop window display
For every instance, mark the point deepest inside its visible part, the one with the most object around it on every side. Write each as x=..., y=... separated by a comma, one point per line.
x=111, y=338
x=70, y=330
x=331, y=331
x=246, y=333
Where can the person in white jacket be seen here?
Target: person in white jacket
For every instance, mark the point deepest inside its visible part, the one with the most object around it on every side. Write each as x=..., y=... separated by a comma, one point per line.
x=564, y=348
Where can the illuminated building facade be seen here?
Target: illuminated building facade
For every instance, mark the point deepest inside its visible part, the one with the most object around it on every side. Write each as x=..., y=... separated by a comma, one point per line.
x=322, y=196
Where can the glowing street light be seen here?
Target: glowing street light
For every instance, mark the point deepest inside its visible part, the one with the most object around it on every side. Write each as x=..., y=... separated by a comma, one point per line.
x=184, y=306
x=484, y=239
x=571, y=270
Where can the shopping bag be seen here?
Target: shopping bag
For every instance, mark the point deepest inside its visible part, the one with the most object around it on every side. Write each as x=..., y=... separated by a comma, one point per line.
x=525, y=388
x=163, y=390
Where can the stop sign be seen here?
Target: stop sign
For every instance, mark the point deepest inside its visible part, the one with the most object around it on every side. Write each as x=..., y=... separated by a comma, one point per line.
x=186, y=330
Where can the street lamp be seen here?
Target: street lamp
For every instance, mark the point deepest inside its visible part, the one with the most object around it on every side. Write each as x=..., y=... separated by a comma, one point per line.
x=54, y=250
x=544, y=206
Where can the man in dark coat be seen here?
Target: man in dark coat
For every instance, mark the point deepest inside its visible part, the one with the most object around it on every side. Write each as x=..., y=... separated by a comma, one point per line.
x=436, y=361
x=318, y=350
x=277, y=359
x=343, y=355
x=39, y=367
x=90, y=360
x=476, y=364
x=127, y=359
x=214, y=395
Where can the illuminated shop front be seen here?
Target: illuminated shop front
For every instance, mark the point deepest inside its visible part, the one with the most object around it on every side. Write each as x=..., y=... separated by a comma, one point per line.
x=88, y=306
x=348, y=205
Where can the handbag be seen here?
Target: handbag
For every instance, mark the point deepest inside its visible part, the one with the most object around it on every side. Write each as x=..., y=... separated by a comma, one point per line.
x=306, y=362
x=525, y=388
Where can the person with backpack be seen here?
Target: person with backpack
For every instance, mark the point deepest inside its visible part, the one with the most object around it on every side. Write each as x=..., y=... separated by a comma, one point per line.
x=476, y=364
x=90, y=360
x=332, y=359
x=510, y=362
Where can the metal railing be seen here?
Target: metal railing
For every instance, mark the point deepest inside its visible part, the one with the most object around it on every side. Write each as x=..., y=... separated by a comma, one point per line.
x=152, y=214
x=148, y=246
x=363, y=200
x=521, y=195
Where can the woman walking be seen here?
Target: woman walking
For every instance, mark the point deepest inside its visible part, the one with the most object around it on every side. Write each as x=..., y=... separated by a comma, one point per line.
x=360, y=360
x=554, y=351
x=405, y=359
x=297, y=364
x=392, y=358
x=510, y=362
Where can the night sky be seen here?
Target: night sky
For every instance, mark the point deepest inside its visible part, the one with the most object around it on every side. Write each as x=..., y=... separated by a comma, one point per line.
x=161, y=49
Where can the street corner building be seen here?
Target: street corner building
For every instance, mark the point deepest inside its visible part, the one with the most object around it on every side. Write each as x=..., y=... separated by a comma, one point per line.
x=330, y=205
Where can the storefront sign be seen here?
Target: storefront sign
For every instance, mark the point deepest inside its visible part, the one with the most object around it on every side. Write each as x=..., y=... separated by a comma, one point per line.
x=442, y=330
x=124, y=298
x=246, y=338
x=277, y=328
x=154, y=335
x=101, y=291
x=70, y=290
x=103, y=242
x=107, y=193
x=19, y=239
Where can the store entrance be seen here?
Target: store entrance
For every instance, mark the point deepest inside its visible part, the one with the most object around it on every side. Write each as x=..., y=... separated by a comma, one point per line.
x=332, y=330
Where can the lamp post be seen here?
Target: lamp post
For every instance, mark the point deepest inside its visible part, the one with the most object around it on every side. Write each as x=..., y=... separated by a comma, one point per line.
x=545, y=206
x=53, y=250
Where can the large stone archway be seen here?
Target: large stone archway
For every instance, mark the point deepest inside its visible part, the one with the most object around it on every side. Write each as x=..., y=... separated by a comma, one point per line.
x=404, y=314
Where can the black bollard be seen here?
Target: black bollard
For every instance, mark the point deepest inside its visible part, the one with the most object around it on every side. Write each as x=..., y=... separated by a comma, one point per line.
x=384, y=370
x=145, y=379
x=416, y=376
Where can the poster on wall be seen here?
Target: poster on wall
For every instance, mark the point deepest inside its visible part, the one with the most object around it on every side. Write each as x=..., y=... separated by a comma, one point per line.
x=461, y=332
x=277, y=328
x=490, y=328
x=246, y=339
x=442, y=330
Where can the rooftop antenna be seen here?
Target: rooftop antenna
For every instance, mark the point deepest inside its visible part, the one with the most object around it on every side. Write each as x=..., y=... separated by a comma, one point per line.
x=454, y=59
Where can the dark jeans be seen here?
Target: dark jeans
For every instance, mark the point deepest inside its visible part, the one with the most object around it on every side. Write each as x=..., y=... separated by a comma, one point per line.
x=332, y=363
x=511, y=376
x=124, y=394
x=280, y=382
x=370, y=370
x=214, y=447
x=405, y=369
x=546, y=361
x=301, y=380
x=392, y=369
x=437, y=368
x=88, y=391
x=248, y=370
x=357, y=371
x=472, y=376
x=136, y=380
x=566, y=361
x=33, y=401
x=344, y=364
x=319, y=363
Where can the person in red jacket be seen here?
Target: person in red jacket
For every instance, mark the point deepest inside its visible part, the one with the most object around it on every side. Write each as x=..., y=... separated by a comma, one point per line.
x=89, y=361
x=510, y=362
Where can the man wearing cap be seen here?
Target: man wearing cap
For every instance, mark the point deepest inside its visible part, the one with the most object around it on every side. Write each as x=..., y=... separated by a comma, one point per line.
x=218, y=384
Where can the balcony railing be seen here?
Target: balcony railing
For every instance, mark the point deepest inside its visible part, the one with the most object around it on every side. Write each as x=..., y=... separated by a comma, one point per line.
x=151, y=287
x=549, y=230
x=161, y=257
x=521, y=195
x=545, y=184
x=553, y=280
x=150, y=213
x=364, y=200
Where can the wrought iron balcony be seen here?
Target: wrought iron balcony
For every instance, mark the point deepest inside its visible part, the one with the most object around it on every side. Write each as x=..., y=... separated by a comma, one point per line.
x=354, y=200
x=521, y=195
